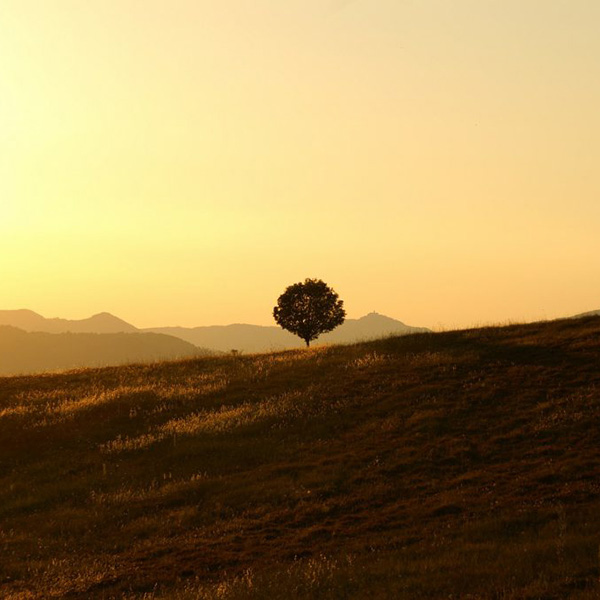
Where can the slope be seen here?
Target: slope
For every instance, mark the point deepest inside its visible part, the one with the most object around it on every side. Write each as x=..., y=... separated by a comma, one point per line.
x=459, y=464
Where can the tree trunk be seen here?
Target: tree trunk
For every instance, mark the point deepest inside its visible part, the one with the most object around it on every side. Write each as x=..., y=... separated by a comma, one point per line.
x=307, y=343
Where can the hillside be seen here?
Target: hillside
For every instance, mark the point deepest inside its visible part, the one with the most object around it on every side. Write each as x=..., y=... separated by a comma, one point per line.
x=22, y=352
x=257, y=338
x=459, y=464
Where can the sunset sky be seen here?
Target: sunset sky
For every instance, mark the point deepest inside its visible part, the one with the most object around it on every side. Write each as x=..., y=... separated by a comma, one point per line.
x=182, y=162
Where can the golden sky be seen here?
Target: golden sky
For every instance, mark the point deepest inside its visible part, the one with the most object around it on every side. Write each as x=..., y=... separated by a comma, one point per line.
x=182, y=162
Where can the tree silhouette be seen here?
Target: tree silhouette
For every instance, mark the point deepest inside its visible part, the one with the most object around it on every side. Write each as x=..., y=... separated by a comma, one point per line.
x=309, y=309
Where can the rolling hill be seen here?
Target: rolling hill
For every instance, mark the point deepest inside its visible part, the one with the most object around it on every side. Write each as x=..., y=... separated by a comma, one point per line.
x=23, y=352
x=460, y=464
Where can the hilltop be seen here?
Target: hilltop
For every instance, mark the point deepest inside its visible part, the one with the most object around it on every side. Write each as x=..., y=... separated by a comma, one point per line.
x=457, y=464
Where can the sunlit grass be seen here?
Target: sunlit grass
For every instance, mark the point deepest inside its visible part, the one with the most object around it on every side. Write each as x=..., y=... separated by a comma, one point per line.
x=277, y=409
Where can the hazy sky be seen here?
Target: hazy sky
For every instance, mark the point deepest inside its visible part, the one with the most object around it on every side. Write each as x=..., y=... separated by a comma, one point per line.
x=182, y=162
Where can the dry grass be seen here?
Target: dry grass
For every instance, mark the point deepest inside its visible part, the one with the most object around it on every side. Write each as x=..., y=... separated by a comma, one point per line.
x=459, y=464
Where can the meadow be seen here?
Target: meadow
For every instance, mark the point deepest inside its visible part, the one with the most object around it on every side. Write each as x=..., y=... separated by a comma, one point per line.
x=460, y=464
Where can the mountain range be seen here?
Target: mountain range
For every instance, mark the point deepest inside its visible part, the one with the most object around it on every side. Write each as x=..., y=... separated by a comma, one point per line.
x=23, y=352
x=27, y=320
x=223, y=338
x=257, y=338
x=31, y=343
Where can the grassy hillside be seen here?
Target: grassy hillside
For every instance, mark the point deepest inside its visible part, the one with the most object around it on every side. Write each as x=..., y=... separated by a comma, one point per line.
x=461, y=464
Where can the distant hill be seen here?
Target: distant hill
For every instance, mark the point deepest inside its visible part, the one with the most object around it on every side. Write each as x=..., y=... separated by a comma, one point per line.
x=30, y=321
x=22, y=352
x=371, y=326
x=223, y=338
x=256, y=338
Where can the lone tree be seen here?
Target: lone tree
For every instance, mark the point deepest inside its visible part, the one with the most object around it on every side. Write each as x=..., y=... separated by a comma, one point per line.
x=309, y=309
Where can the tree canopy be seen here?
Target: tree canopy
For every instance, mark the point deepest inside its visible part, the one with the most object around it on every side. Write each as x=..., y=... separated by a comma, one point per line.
x=308, y=309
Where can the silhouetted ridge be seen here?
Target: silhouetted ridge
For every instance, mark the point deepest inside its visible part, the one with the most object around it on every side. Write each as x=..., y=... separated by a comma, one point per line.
x=22, y=318
x=100, y=323
x=257, y=338
x=30, y=352
x=239, y=336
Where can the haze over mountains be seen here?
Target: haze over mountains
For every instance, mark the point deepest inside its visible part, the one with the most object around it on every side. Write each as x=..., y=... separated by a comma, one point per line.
x=31, y=343
x=224, y=338
x=24, y=352
x=257, y=338
x=27, y=320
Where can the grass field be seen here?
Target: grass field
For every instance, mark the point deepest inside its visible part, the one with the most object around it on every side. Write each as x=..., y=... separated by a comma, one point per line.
x=452, y=465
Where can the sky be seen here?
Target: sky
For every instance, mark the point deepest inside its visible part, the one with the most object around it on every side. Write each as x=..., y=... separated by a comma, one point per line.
x=183, y=162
